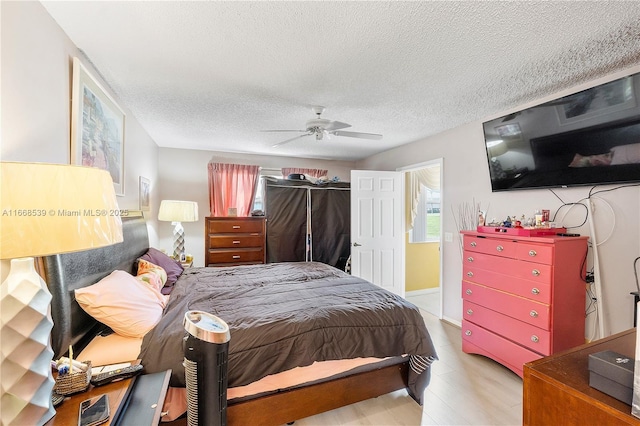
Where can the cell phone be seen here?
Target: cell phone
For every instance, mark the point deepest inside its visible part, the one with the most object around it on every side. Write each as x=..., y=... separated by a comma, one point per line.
x=94, y=411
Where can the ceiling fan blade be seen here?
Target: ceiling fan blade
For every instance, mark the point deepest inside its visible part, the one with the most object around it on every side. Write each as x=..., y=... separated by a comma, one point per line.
x=279, y=131
x=357, y=135
x=290, y=140
x=336, y=125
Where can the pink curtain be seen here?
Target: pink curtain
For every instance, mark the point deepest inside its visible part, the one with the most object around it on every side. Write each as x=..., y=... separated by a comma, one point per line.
x=232, y=186
x=314, y=173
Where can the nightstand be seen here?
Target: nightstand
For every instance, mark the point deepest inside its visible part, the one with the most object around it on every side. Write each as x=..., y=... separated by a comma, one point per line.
x=135, y=401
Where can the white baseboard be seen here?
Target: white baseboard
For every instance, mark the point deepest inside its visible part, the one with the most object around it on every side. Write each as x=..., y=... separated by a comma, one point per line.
x=424, y=291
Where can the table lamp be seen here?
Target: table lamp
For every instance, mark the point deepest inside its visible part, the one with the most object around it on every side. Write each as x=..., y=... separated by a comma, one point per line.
x=45, y=209
x=177, y=212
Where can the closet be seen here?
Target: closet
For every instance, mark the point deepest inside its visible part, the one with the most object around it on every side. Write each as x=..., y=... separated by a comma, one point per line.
x=308, y=222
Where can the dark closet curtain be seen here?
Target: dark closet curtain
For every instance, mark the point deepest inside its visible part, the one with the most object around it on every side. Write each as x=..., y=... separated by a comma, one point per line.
x=286, y=213
x=331, y=226
x=287, y=226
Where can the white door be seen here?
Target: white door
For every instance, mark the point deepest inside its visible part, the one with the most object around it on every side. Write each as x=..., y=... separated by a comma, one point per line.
x=377, y=239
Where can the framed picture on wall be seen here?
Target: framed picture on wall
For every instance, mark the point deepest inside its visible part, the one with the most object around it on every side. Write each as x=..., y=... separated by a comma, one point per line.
x=97, y=127
x=145, y=194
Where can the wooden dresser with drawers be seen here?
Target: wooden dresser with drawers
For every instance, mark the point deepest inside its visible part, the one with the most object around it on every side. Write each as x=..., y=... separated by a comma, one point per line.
x=523, y=297
x=231, y=241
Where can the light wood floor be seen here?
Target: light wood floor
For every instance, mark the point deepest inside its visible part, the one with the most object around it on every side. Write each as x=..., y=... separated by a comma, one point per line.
x=465, y=390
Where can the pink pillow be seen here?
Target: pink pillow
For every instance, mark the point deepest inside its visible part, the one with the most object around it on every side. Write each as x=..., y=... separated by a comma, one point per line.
x=626, y=154
x=130, y=307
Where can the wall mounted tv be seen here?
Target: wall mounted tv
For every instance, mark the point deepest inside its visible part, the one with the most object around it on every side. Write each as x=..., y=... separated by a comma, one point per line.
x=588, y=138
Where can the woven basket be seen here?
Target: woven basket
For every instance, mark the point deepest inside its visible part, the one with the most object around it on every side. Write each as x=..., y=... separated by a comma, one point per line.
x=78, y=381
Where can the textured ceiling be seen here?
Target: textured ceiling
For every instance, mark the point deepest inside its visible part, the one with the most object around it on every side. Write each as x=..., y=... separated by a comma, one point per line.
x=212, y=75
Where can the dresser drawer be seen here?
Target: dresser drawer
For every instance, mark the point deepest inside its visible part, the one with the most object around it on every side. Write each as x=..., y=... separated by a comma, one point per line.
x=235, y=241
x=526, y=310
x=235, y=226
x=527, y=335
x=535, y=290
x=498, y=247
x=536, y=272
x=503, y=350
x=538, y=253
x=249, y=255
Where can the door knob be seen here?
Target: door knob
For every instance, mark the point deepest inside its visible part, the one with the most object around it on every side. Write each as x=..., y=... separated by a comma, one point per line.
x=357, y=245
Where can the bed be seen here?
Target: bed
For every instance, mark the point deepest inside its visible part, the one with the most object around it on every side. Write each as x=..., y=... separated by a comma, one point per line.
x=403, y=362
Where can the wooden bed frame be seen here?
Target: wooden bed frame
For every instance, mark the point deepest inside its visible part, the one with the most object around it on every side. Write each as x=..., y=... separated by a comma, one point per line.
x=66, y=272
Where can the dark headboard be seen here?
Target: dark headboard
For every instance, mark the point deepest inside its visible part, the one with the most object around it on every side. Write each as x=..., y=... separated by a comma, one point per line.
x=64, y=273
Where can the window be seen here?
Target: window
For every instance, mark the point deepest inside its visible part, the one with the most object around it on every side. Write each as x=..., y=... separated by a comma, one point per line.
x=426, y=225
x=258, y=201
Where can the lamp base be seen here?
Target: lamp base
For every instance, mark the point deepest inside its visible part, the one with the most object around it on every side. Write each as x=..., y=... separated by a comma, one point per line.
x=26, y=324
x=178, y=242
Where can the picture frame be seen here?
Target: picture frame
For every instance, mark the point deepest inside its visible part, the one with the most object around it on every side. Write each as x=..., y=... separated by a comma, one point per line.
x=609, y=98
x=97, y=127
x=144, y=194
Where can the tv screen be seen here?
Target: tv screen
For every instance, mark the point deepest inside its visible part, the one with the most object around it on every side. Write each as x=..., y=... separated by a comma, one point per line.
x=587, y=138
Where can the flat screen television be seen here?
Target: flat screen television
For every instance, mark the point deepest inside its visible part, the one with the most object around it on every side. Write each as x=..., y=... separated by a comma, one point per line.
x=587, y=138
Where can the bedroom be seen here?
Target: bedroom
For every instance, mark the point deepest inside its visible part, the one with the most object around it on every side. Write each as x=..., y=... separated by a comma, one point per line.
x=35, y=127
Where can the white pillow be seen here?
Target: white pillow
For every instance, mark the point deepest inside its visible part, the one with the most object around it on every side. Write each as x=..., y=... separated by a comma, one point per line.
x=626, y=154
x=130, y=307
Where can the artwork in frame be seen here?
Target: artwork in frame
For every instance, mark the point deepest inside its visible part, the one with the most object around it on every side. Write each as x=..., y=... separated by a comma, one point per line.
x=145, y=194
x=608, y=98
x=97, y=127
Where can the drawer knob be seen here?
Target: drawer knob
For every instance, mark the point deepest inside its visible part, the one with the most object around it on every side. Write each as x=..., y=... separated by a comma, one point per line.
x=470, y=311
x=468, y=332
x=236, y=226
x=236, y=256
x=532, y=253
x=469, y=292
x=236, y=242
x=535, y=273
x=499, y=248
x=533, y=314
x=535, y=339
x=469, y=274
x=473, y=244
x=535, y=291
x=469, y=259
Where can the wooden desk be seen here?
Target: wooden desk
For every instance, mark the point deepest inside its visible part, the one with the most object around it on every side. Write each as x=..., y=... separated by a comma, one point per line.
x=556, y=389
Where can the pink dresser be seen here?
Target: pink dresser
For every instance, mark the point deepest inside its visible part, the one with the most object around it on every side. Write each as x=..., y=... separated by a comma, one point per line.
x=523, y=297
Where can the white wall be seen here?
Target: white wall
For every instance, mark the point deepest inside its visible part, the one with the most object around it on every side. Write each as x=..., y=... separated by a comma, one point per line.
x=183, y=176
x=36, y=92
x=466, y=178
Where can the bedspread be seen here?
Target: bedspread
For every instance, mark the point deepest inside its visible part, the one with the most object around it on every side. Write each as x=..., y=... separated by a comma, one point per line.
x=285, y=315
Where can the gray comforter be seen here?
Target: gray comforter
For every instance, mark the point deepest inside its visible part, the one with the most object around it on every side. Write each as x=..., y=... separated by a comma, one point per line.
x=284, y=315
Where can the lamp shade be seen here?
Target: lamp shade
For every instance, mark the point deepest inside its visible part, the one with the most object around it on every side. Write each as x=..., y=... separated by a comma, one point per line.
x=178, y=211
x=497, y=147
x=54, y=208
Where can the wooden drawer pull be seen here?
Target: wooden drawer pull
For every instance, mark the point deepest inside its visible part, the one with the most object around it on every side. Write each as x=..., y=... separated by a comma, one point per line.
x=468, y=332
x=535, y=339
x=470, y=311
x=236, y=256
x=469, y=259
x=236, y=226
x=532, y=253
x=236, y=242
x=469, y=274
x=499, y=248
x=535, y=273
x=469, y=292
x=473, y=244
x=533, y=314
x=535, y=291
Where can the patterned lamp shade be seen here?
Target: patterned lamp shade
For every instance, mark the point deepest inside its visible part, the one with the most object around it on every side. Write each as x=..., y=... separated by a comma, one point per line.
x=45, y=209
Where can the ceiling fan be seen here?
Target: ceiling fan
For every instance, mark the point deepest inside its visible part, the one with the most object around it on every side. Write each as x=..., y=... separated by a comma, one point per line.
x=321, y=126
